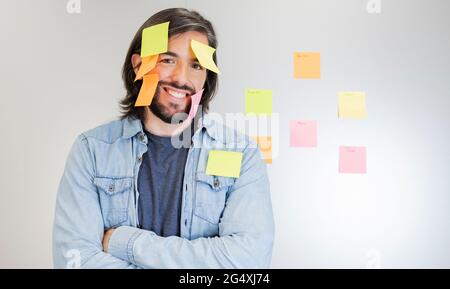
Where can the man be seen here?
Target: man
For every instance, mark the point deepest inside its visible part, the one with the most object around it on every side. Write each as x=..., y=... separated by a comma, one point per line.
x=129, y=198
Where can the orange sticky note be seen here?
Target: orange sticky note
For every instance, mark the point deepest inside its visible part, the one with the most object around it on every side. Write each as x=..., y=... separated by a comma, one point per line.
x=307, y=65
x=265, y=146
x=148, y=89
x=147, y=64
x=352, y=160
x=303, y=133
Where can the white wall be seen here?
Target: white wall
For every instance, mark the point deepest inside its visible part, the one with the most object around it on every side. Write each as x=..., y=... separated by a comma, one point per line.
x=60, y=75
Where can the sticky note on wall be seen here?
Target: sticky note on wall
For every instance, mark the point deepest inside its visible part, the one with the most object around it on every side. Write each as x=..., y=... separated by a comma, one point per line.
x=303, y=133
x=155, y=39
x=258, y=101
x=265, y=146
x=307, y=65
x=352, y=104
x=352, y=160
x=224, y=163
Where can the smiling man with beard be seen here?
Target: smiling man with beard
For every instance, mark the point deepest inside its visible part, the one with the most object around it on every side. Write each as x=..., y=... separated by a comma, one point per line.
x=130, y=198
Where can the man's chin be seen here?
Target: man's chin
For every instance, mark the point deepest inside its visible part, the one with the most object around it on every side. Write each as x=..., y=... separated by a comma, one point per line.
x=166, y=116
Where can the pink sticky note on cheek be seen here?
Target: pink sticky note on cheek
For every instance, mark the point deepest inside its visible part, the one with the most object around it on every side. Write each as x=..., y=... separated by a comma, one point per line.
x=195, y=100
x=352, y=160
x=303, y=133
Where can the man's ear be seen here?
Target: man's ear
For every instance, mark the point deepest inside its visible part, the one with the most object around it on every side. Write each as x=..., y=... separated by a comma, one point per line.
x=136, y=62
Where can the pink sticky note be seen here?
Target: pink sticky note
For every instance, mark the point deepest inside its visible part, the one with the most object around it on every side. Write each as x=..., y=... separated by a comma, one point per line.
x=303, y=133
x=352, y=160
x=195, y=100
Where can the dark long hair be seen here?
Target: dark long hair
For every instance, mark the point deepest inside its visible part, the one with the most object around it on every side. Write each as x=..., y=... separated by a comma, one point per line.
x=181, y=20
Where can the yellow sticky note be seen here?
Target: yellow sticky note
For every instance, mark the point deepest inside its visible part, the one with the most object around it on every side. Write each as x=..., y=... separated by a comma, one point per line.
x=148, y=89
x=352, y=105
x=224, y=163
x=155, y=39
x=258, y=101
x=265, y=146
x=204, y=54
x=307, y=65
x=147, y=64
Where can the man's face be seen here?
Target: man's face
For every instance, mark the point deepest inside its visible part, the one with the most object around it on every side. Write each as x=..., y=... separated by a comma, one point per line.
x=180, y=74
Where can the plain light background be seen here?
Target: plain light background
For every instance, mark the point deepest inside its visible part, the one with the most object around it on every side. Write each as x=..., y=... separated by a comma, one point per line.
x=60, y=75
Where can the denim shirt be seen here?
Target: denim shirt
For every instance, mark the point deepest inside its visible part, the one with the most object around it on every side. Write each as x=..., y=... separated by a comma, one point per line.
x=225, y=222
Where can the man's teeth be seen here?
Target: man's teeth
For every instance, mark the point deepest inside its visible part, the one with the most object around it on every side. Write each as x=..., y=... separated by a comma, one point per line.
x=176, y=94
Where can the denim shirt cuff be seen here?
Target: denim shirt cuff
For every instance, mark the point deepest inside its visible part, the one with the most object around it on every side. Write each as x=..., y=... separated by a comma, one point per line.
x=122, y=241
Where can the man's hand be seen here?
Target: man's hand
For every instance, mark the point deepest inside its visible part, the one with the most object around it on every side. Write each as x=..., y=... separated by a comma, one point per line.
x=106, y=238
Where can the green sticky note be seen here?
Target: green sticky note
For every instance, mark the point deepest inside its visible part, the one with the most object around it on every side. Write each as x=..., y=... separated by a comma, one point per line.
x=258, y=101
x=155, y=39
x=224, y=163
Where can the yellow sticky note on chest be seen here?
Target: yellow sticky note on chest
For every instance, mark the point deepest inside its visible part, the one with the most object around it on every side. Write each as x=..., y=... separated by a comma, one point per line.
x=224, y=163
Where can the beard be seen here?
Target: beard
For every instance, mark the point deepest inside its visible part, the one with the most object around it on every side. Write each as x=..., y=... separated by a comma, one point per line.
x=165, y=112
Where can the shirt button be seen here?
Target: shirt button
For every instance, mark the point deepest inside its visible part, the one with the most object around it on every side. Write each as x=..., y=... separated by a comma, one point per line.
x=216, y=182
x=142, y=137
x=111, y=188
x=139, y=159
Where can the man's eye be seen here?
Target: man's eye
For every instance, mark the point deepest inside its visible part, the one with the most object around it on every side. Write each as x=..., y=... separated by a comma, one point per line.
x=197, y=66
x=167, y=60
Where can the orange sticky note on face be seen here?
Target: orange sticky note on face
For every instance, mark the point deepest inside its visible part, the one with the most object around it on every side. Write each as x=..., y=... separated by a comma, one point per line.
x=352, y=160
x=148, y=89
x=307, y=65
x=303, y=133
x=265, y=146
x=147, y=64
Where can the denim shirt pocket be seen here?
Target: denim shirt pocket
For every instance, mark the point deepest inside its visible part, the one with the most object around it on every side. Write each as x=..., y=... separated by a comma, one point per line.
x=211, y=194
x=114, y=195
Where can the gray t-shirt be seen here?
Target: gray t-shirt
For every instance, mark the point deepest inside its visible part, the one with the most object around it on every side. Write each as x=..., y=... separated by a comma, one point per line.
x=160, y=183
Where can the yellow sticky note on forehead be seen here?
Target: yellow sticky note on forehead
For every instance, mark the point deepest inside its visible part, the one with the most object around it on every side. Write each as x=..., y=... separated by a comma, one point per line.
x=224, y=163
x=155, y=39
x=352, y=105
x=204, y=54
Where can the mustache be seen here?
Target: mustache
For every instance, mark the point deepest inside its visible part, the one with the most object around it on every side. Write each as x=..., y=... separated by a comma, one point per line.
x=177, y=86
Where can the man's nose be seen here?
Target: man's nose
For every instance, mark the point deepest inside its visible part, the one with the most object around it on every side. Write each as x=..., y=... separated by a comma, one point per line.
x=180, y=73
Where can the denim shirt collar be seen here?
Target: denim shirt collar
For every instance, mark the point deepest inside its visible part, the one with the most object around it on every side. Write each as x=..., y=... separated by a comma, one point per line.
x=131, y=127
